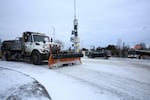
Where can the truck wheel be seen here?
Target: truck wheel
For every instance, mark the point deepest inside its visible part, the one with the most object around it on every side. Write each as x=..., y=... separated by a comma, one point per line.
x=91, y=56
x=6, y=56
x=106, y=57
x=36, y=58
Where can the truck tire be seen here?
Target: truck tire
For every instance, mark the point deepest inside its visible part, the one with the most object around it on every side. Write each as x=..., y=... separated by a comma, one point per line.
x=106, y=57
x=6, y=56
x=91, y=56
x=36, y=58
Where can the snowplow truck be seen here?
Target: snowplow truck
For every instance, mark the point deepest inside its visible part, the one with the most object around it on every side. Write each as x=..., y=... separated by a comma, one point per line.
x=36, y=47
x=99, y=52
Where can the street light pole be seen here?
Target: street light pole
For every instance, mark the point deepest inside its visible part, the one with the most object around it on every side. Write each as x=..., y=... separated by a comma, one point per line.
x=53, y=29
x=74, y=9
x=75, y=39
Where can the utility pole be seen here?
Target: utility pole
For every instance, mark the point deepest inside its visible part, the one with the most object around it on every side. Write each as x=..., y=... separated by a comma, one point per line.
x=74, y=9
x=75, y=38
x=53, y=29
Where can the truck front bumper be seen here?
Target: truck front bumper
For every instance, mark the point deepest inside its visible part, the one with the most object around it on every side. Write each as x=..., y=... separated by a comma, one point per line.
x=45, y=56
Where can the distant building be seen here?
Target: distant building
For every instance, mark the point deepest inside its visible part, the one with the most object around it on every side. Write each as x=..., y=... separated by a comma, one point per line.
x=138, y=46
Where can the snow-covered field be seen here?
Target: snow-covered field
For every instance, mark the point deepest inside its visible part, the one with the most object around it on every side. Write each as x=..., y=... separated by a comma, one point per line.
x=94, y=79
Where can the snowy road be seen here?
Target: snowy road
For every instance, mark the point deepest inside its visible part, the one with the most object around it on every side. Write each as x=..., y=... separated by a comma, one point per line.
x=94, y=79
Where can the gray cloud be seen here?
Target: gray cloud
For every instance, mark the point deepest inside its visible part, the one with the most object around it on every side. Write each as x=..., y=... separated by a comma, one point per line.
x=101, y=22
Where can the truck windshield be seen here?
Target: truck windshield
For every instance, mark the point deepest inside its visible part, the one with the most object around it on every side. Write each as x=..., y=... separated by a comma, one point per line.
x=39, y=38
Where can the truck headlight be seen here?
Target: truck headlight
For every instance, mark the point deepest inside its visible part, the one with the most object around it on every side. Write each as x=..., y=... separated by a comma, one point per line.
x=44, y=51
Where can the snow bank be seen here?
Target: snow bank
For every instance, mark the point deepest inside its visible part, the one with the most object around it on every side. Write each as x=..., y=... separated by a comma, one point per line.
x=18, y=86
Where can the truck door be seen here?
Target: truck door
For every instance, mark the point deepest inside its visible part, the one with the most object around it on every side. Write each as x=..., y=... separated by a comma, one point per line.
x=28, y=43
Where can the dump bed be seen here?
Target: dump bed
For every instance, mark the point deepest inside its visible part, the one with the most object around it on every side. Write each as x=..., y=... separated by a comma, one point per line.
x=15, y=45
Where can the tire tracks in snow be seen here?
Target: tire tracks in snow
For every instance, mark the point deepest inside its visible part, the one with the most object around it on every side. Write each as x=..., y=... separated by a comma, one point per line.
x=124, y=88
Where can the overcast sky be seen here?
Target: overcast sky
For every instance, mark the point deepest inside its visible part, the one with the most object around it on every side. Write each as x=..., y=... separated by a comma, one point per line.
x=101, y=22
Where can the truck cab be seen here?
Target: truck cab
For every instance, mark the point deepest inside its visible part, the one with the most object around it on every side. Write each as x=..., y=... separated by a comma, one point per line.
x=36, y=46
x=36, y=41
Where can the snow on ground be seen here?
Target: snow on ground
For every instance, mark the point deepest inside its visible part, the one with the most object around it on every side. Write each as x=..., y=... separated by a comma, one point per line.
x=18, y=86
x=135, y=69
x=94, y=79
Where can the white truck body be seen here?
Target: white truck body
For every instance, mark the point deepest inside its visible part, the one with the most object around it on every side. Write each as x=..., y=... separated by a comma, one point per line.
x=32, y=44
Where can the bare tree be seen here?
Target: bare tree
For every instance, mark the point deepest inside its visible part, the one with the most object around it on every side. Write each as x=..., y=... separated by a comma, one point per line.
x=143, y=46
x=0, y=48
x=60, y=42
x=0, y=43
